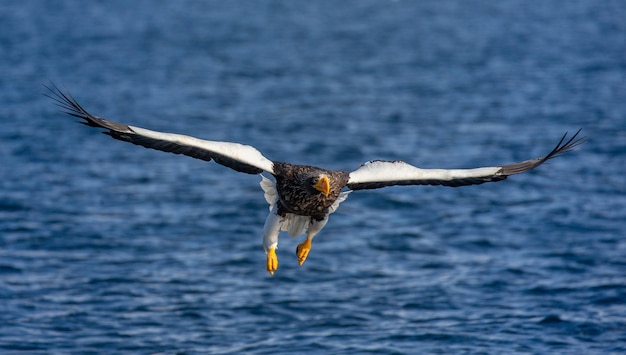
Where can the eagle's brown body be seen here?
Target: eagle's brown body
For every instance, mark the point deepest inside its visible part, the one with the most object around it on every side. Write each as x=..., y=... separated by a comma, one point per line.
x=296, y=192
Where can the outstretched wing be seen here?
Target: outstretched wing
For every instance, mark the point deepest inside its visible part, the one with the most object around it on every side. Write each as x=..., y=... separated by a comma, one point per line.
x=243, y=158
x=379, y=173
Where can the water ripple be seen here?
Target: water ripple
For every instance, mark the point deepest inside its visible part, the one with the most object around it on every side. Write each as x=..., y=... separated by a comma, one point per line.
x=111, y=248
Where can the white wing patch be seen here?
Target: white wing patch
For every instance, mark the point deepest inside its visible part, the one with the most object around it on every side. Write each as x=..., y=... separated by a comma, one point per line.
x=381, y=171
x=269, y=189
x=292, y=223
x=240, y=152
x=342, y=197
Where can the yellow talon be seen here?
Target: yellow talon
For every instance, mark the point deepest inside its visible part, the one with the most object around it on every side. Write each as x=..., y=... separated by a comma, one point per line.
x=272, y=261
x=302, y=251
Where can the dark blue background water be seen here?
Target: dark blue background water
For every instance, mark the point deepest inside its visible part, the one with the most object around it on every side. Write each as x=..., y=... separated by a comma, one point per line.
x=108, y=247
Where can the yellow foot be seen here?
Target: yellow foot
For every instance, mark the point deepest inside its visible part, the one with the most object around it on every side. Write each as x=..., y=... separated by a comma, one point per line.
x=272, y=261
x=302, y=251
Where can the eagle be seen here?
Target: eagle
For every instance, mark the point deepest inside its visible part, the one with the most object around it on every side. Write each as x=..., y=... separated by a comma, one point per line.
x=301, y=197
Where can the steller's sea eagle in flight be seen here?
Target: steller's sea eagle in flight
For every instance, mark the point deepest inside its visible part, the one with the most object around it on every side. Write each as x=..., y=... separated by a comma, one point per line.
x=301, y=197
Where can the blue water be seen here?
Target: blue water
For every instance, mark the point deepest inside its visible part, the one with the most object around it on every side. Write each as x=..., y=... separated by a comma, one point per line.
x=107, y=247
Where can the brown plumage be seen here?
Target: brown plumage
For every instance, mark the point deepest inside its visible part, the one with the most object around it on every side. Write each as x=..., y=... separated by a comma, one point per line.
x=294, y=184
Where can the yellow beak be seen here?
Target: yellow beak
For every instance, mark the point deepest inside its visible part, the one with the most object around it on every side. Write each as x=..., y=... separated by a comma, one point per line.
x=323, y=185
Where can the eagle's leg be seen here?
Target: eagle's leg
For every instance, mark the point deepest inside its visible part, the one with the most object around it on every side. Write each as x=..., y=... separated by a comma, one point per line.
x=271, y=264
x=270, y=240
x=303, y=249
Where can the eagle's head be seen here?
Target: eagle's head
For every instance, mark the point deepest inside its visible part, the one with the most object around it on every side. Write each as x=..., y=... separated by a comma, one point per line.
x=321, y=183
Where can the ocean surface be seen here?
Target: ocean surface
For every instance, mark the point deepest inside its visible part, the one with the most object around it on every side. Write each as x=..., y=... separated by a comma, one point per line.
x=106, y=247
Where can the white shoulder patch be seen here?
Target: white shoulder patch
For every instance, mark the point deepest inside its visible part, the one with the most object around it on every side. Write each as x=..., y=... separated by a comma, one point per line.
x=240, y=152
x=342, y=197
x=269, y=189
x=382, y=171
